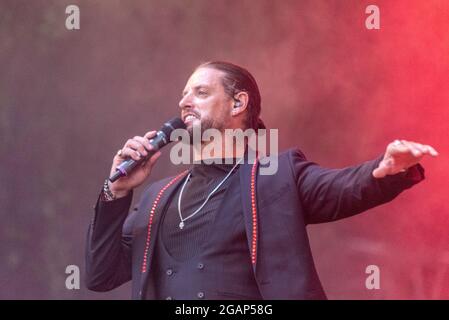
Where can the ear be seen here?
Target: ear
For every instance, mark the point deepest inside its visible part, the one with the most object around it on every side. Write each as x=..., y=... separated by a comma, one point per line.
x=240, y=103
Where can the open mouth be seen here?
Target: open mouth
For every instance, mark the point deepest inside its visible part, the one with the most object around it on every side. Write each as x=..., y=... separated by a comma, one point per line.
x=189, y=117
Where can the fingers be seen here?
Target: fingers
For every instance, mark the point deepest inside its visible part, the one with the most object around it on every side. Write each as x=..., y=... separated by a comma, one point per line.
x=419, y=149
x=413, y=148
x=144, y=143
x=134, y=149
x=430, y=150
x=150, y=134
x=137, y=147
x=128, y=152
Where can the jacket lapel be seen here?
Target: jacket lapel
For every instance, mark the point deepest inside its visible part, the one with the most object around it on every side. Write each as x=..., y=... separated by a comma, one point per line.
x=245, y=183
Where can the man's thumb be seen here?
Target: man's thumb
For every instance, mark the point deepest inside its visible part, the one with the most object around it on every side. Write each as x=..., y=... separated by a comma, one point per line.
x=380, y=171
x=152, y=160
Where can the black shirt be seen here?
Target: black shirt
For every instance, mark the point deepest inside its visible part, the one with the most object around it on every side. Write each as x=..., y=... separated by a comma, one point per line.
x=185, y=243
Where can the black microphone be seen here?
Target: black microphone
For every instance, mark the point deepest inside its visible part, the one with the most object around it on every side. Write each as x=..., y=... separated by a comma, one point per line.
x=162, y=138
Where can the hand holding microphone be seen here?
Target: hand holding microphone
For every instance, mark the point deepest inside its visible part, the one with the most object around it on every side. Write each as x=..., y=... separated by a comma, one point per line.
x=133, y=163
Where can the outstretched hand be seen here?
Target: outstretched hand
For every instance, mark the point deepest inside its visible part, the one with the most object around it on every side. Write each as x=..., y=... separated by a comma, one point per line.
x=401, y=155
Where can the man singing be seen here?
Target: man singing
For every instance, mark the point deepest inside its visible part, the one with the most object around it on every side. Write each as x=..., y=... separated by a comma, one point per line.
x=223, y=230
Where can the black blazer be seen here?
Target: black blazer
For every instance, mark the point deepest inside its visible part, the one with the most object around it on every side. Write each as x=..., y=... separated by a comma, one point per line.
x=277, y=209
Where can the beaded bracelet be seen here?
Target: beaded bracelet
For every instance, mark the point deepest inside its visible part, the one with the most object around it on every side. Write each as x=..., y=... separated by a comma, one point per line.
x=107, y=195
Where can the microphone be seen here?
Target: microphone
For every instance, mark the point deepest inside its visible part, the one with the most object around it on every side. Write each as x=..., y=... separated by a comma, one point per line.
x=161, y=139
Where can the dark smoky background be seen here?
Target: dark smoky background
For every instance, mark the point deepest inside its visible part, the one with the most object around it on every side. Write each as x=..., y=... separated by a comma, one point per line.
x=339, y=92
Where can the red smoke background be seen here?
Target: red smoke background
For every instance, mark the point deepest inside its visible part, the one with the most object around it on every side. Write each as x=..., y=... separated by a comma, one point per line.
x=339, y=92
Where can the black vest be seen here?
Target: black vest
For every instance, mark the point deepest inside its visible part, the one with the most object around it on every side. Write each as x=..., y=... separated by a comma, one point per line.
x=222, y=269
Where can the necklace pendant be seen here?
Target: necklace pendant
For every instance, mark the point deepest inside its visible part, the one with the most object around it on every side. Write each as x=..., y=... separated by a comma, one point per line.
x=181, y=225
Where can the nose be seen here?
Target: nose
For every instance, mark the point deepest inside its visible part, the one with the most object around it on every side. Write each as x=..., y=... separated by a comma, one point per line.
x=185, y=102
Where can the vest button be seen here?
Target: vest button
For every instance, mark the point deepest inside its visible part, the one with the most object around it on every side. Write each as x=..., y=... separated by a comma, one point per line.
x=169, y=298
x=200, y=295
x=200, y=266
x=169, y=272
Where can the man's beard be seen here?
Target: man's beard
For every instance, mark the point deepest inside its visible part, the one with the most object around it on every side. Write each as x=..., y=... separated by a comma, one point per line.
x=206, y=123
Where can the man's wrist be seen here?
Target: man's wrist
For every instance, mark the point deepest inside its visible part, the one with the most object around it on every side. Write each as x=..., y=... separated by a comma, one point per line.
x=117, y=193
x=120, y=194
x=109, y=194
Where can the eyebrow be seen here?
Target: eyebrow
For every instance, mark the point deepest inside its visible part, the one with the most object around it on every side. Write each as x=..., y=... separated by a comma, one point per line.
x=201, y=86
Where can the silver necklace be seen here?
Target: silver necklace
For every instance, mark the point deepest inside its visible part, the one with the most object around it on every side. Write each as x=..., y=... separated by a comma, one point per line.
x=181, y=224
